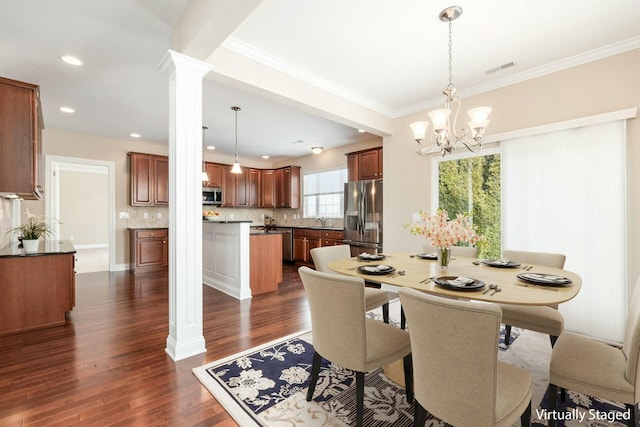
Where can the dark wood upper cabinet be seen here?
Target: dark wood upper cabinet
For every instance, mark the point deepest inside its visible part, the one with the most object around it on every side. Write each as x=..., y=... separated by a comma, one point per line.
x=268, y=188
x=365, y=164
x=215, y=172
x=288, y=187
x=149, y=176
x=253, y=189
x=21, y=163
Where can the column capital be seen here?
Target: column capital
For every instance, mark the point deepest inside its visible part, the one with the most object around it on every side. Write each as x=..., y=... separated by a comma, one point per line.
x=172, y=60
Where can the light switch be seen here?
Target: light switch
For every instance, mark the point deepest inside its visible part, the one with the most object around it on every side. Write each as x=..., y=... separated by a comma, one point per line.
x=124, y=215
x=145, y=215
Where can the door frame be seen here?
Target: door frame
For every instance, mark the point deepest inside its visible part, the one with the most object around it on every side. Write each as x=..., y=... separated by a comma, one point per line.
x=53, y=165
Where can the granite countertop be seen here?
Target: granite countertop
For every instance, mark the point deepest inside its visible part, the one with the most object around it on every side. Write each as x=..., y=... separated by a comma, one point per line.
x=232, y=221
x=312, y=227
x=49, y=247
x=259, y=232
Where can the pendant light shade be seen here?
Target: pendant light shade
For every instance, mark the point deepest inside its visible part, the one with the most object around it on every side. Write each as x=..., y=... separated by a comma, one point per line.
x=236, y=165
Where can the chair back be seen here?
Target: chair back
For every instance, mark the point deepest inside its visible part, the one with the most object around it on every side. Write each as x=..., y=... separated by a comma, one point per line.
x=454, y=346
x=325, y=255
x=539, y=258
x=631, y=343
x=336, y=304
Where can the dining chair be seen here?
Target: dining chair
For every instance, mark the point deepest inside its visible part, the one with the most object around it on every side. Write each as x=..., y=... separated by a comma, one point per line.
x=342, y=334
x=588, y=366
x=466, y=251
x=544, y=319
x=456, y=372
x=374, y=297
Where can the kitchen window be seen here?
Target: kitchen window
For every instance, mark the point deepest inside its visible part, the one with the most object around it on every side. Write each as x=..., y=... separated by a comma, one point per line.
x=324, y=193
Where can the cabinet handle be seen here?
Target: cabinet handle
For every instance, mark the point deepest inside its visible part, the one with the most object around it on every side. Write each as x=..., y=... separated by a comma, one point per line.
x=164, y=241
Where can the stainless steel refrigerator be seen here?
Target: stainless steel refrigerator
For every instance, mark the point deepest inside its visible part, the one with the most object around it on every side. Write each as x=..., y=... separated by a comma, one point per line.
x=363, y=216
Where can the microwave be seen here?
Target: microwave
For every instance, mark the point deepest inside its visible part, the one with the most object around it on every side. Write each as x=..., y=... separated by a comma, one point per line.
x=212, y=196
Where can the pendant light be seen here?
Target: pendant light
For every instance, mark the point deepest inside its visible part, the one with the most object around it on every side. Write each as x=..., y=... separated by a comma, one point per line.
x=205, y=177
x=236, y=165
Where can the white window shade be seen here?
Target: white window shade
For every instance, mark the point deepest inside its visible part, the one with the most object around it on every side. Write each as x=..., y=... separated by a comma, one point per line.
x=565, y=192
x=324, y=193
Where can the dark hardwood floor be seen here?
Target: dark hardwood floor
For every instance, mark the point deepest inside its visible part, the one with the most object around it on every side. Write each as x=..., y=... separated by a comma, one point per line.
x=107, y=365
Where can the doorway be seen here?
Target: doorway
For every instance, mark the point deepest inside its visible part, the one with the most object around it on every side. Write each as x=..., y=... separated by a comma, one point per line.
x=82, y=198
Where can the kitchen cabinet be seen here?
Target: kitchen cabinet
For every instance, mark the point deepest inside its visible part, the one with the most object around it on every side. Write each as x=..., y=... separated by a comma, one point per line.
x=265, y=265
x=149, y=177
x=268, y=188
x=288, y=187
x=149, y=249
x=305, y=239
x=215, y=172
x=253, y=188
x=332, y=237
x=365, y=164
x=21, y=162
x=228, y=187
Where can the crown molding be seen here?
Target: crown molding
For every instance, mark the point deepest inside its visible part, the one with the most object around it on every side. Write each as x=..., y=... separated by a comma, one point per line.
x=260, y=56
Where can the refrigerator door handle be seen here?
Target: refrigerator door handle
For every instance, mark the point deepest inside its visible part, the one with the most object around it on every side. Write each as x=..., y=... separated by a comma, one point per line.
x=362, y=208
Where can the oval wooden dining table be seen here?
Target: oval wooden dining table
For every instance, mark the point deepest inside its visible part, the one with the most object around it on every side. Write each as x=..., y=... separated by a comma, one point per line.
x=419, y=273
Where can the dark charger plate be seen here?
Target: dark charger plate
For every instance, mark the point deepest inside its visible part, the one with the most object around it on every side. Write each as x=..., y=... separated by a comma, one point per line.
x=500, y=263
x=374, y=271
x=371, y=257
x=545, y=279
x=443, y=282
x=432, y=255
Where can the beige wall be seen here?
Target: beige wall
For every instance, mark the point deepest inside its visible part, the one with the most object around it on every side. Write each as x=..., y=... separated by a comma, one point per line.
x=602, y=86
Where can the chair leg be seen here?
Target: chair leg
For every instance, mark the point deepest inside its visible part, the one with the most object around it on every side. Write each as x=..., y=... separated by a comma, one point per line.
x=563, y=394
x=359, y=398
x=525, y=418
x=507, y=335
x=633, y=412
x=403, y=319
x=553, y=403
x=408, y=377
x=553, y=340
x=315, y=371
x=420, y=415
x=385, y=313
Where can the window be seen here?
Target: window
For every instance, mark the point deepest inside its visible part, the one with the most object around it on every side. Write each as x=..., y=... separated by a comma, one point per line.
x=470, y=184
x=324, y=193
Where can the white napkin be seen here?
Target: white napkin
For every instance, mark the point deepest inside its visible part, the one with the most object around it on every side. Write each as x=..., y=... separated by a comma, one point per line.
x=460, y=281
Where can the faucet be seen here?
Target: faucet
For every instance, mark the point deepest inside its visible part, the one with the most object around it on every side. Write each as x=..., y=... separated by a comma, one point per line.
x=322, y=220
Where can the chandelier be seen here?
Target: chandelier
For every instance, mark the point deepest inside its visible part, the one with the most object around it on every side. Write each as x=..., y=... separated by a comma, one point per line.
x=445, y=138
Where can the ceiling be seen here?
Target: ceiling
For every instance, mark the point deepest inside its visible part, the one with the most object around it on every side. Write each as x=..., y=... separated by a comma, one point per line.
x=386, y=57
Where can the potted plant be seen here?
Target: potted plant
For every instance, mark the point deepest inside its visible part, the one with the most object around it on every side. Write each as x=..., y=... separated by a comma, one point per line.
x=30, y=232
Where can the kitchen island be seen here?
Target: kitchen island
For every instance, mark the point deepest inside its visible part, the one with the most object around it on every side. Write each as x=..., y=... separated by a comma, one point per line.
x=239, y=261
x=36, y=288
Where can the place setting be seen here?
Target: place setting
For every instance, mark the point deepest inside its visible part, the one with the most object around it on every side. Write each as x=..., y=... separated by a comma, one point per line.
x=543, y=279
x=371, y=257
x=501, y=263
x=459, y=283
x=380, y=270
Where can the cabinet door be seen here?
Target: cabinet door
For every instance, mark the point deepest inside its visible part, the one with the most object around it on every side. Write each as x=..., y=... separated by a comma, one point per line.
x=268, y=188
x=352, y=167
x=300, y=249
x=161, y=180
x=141, y=179
x=21, y=165
x=368, y=164
x=254, y=188
x=152, y=252
x=214, y=172
x=242, y=188
x=229, y=187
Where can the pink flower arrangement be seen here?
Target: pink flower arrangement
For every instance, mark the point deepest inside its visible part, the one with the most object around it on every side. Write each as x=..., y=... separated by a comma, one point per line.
x=444, y=232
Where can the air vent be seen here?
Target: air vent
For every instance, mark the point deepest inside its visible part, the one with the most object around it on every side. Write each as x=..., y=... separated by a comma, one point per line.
x=501, y=67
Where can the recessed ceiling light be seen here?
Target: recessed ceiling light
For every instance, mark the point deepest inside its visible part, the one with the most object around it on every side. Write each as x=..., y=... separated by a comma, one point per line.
x=361, y=130
x=71, y=60
x=68, y=110
x=135, y=135
x=210, y=147
x=317, y=150
x=265, y=157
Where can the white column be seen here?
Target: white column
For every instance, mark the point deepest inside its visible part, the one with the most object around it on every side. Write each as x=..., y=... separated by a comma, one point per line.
x=185, y=204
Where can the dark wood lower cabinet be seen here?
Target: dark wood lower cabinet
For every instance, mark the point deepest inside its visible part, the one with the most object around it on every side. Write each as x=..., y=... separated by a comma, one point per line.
x=36, y=291
x=149, y=249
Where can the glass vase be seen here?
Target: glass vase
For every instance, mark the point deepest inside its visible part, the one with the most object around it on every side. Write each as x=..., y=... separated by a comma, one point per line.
x=444, y=256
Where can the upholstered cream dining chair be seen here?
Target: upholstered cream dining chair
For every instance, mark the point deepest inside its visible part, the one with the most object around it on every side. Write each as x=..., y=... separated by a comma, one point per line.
x=457, y=375
x=597, y=369
x=544, y=319
x=374, y=298
x=468, y=251
x=342, y=334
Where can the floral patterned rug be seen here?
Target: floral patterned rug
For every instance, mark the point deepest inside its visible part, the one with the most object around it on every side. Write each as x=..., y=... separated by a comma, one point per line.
x=266, y=386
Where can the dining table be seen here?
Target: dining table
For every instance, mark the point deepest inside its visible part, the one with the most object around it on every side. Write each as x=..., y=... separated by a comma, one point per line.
x=494, y=281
